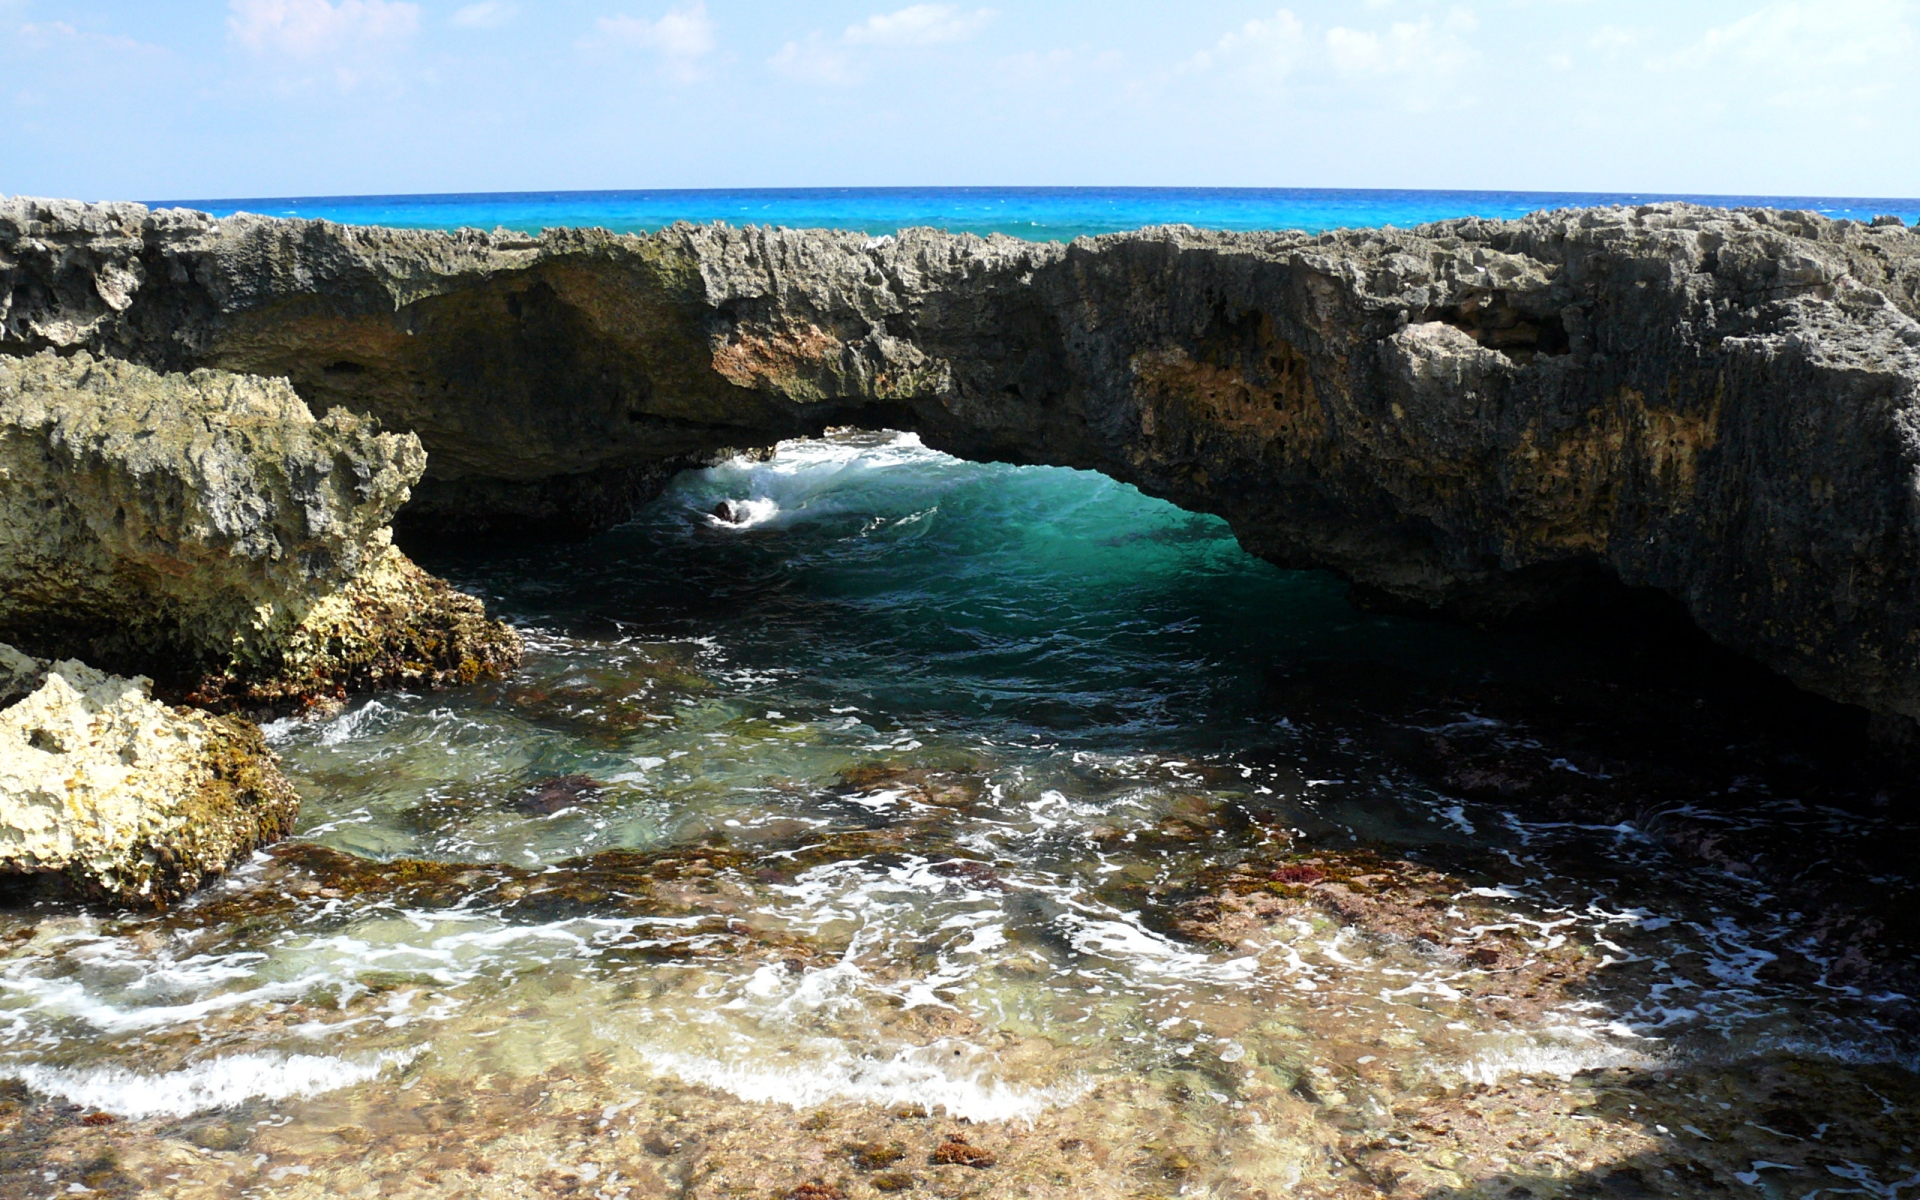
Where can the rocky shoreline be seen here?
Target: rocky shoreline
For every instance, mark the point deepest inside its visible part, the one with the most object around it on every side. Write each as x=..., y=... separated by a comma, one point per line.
x=1486, y=418
x=1482, y=417
x=107, y=795
x=205, y=531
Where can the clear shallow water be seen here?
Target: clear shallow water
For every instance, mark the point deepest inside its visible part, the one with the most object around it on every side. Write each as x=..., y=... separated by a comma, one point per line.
x=1038, y=214
x=864, y=776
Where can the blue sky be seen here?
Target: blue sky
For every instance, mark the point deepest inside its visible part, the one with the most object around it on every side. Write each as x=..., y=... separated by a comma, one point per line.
x=153, y=99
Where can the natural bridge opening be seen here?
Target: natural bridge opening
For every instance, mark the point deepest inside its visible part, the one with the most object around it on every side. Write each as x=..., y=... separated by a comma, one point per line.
x=877, y=754
x=1063, y=603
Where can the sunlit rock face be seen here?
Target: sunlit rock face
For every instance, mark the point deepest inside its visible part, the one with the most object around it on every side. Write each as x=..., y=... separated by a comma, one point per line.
x=109, y=795
x=208, y=529
x=1475, y=415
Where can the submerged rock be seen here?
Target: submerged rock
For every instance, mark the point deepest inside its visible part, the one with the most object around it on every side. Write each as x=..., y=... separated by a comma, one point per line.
x=115, y=797
x=1503, y=969
x=556, y=795
x=208, y=527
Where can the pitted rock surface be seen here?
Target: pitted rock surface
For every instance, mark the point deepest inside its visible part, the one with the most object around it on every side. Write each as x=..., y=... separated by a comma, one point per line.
x=113, y=796
x=1475, y=415
x=208, y=525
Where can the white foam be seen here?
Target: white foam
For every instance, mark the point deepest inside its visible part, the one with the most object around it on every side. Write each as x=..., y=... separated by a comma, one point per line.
x=352, y=724
x=746, y=514
x=804, y=480
x=1563, y=1060
x=204, y=1087
x=1145, y=952
x=915, y=1075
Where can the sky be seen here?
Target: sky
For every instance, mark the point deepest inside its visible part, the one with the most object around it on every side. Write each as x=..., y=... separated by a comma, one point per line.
x=203, y=99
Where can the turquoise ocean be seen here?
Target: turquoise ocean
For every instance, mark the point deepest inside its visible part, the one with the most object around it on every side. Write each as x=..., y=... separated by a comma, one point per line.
x=1038, y=214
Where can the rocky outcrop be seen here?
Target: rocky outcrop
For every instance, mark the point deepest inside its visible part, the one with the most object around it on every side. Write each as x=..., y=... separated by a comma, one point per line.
x=392, y=626
x=207, y=529
x=112, y=796
x=1474, y=415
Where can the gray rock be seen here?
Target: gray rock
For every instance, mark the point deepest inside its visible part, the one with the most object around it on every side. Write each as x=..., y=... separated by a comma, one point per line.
x=1475, y=415
x=207, y=526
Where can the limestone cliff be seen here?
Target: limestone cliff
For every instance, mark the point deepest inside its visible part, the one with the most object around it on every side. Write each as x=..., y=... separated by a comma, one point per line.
x=115, y=797
x=1724, y=406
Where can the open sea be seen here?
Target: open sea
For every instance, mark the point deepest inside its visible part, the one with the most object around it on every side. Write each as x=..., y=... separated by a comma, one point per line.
x=1038, y=214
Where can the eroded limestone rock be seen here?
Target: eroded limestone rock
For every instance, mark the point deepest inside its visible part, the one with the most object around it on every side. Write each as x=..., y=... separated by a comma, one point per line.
x=393, y=625
x=1480, y=416
x=209, y=526
x=118, y=797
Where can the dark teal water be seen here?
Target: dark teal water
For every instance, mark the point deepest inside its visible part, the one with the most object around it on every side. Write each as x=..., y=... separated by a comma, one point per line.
x=1038, y=214
x=952, y=735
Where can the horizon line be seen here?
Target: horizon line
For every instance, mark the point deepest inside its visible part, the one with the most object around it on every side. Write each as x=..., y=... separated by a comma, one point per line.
x=1034, y=189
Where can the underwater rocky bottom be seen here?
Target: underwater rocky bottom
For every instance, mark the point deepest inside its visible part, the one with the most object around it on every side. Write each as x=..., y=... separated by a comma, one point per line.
x=868, y=822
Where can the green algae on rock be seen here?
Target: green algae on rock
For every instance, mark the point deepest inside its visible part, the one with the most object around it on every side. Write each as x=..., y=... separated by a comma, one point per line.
x=392, y=625
x=209, y=525
x=117, y=797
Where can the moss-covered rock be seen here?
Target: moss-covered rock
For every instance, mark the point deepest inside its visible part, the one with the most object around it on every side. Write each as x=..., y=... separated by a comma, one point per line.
x=110, y=795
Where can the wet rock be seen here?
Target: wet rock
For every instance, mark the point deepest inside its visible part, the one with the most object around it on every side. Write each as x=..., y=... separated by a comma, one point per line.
x=392, y=626
x=1385, y=898
x=117, y=797
x=628, y=691
x=872, y=1156
x=971, y=873
x=661, y=1146
x=550, y=796
x=219, y=1133
x=955, y=1150
x=917, y=785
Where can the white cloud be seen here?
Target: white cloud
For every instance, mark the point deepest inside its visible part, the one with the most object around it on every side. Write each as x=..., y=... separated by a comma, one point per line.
x=1410, y=64
x=1611, y=38
x=1810, y=38
x=1272, y=46
x=307, y=28
x=682, y=33
x=1060, y=69
x=1821, y=65
x=488, y=14
x=1405, y=48
x=918, y=25
x=814, y=59
x=840, y=61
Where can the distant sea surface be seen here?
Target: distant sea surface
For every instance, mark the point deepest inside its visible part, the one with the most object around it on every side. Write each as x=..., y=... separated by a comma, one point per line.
x=1038, y=214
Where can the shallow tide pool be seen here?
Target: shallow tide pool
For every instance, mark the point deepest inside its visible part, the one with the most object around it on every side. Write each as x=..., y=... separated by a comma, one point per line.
x=864, y=821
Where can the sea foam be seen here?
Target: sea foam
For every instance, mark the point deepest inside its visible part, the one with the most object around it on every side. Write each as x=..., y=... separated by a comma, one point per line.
x=207, y=1086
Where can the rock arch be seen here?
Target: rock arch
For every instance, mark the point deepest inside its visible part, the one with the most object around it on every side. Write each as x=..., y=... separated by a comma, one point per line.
x=1474, y=416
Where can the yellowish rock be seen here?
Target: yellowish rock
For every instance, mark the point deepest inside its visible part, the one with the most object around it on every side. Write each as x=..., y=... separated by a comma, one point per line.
x=207, y=530
x=110, y=795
